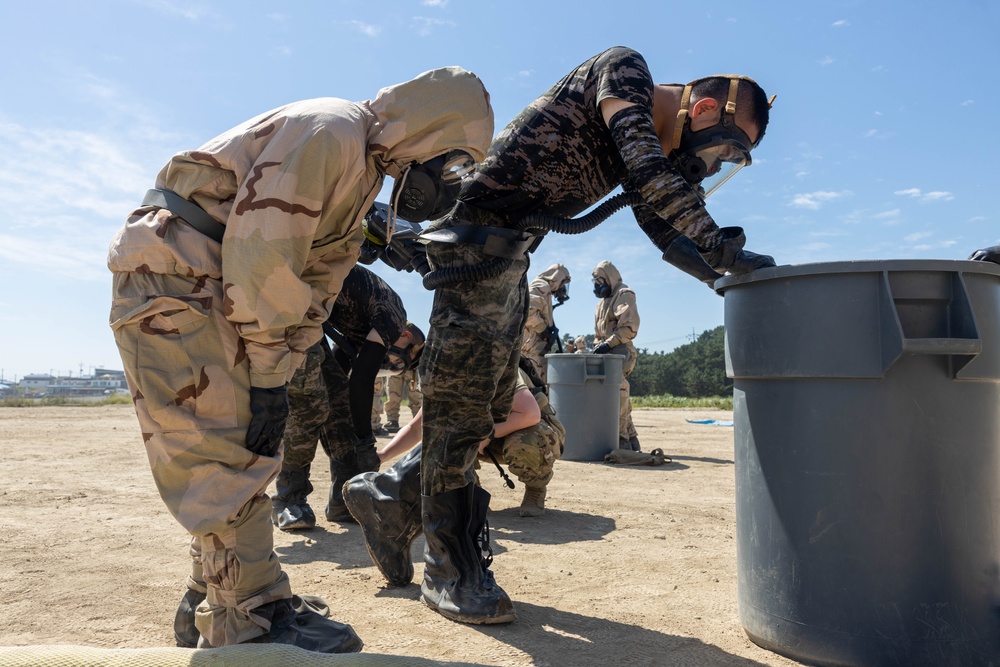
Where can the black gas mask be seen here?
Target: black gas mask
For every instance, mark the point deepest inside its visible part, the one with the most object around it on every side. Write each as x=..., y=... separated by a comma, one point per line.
x=562, y=294
x=401, y=359
x=711, y=156
x=427, y=190
x=602, y=290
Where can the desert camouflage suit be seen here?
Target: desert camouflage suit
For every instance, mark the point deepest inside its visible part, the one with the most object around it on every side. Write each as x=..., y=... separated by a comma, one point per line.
x=199, y=322
x=616, y=322
x=318, y=394
x=398, y=385
x=540, y=320
x=378, y=406
x=530, y=453
x=557, y=157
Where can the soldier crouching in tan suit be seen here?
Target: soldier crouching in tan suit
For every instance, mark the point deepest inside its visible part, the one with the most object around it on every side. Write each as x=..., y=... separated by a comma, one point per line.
x=616, y=323
x=222, y=279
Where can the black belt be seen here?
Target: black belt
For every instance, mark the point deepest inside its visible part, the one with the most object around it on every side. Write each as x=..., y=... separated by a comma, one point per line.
x=497, y=241
x=186, y=211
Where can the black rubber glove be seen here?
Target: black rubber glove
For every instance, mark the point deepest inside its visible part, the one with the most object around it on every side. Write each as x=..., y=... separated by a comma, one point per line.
x=603, y=348
x=991, y=254
x=269, y=408
x=683, y=254
x=729, y=256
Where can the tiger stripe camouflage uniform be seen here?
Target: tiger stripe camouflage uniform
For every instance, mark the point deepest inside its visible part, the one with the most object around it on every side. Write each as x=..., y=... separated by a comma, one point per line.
x=404, y=385
x=557, y=157
x=616, y=322
x=199, y=322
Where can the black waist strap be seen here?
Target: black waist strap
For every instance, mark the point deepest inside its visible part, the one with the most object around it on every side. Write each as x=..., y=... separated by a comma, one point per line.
x=497, y=241
x=187, y=211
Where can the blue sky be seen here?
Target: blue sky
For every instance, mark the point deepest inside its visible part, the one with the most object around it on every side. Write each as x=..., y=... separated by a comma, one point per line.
x=876, y=146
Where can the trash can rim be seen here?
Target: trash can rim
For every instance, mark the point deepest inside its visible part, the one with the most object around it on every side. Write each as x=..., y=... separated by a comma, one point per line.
x=856, y=266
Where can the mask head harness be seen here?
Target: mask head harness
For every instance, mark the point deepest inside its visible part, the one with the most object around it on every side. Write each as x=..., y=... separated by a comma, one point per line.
x=711, y=156
x=401, y=359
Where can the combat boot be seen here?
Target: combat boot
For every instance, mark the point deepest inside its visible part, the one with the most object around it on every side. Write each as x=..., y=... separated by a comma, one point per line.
x=289, y=509
x=533, y=503
x=387, y=507
x=458, y=583
x=340, y=472
x=392, y=426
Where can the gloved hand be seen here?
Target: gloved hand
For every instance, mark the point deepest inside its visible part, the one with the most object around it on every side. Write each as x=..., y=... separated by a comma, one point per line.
x=269, y=408
x=551, y=334
x=991, y=254
x=603, y=348
x=729, y=256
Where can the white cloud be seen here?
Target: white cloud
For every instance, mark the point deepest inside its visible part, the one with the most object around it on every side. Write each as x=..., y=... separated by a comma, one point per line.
x=967, y=103
x=880, y=68
x=826, y=61
x=840, y=24
x=924, y=197
x=186, y=10
x=366, y=29
x=426, y=26
x=871, y=133
x=813, y=200
x=916, y=236
x=891, y=214
x=434, y=3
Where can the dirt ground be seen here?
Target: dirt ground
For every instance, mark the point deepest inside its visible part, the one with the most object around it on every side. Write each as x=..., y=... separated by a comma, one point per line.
x=629, y=565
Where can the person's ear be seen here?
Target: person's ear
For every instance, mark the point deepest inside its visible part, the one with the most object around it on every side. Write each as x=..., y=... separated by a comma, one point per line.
x=703, y=106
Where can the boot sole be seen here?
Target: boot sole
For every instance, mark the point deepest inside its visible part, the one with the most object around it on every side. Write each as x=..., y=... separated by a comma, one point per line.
x=471, y=620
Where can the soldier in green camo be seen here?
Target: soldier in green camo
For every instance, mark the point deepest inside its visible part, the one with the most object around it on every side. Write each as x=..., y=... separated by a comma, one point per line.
x=218, y=294
x=405, y=385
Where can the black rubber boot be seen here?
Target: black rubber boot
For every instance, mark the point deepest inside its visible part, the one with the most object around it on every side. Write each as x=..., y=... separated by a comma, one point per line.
x=392, y=426
x=340, y=472
x=633, y=442
x=387, y=507
x=458, y=583
x=366, y=454
x=185, y=632
x=305, y=629
x=187, y=635
x=289, y=509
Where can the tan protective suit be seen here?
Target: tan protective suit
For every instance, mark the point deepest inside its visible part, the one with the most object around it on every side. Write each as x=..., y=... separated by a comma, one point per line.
x=539, y=319
x=616, y=322
x=198, y=322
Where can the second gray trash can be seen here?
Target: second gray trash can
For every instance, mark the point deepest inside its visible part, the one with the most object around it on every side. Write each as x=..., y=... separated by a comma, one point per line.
x=584, y=392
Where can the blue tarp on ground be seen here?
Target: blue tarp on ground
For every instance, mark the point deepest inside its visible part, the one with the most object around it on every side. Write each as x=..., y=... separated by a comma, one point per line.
x=711, y=422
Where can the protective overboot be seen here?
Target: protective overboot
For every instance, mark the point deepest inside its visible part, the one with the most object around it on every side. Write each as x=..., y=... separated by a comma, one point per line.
x=623, y=443
x=187, y=635
x=340, y=472
x=458, y=583
x=185, y=632
x=392, y=426
x=366, y=455
x=633, y=442
x=533, y=503
x=387, y=507
x=305, y=629
x=289, y=509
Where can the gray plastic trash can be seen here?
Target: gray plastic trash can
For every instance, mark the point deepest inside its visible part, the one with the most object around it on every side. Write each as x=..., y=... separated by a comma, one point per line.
x=867, y=434
x=584, y=392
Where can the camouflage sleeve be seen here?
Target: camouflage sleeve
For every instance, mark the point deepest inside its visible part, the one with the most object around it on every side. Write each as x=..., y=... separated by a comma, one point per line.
x=650, y=173
x=277, y=289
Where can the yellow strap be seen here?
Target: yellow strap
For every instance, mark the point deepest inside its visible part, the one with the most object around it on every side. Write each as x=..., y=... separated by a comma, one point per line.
x=681, y=117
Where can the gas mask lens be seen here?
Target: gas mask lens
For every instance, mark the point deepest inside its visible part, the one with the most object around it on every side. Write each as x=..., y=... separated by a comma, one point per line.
x=721, y=163
x=458, y=165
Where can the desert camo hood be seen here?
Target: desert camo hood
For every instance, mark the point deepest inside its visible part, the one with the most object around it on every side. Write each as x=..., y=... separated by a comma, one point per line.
x=438, y=111
x=550, y=279
x=609, y=272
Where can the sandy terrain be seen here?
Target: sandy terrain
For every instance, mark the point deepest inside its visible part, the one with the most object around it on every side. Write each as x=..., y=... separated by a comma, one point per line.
x=630, y=566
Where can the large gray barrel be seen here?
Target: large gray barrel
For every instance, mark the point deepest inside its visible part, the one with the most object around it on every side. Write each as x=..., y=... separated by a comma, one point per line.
x=867, y=415
x=584, y=392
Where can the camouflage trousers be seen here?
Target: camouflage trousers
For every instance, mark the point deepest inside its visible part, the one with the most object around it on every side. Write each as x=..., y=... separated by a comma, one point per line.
x=396, y=385
x=190, y=385
x=378, y=406
x=530, y=453
x=626, y=429
x=469, y=364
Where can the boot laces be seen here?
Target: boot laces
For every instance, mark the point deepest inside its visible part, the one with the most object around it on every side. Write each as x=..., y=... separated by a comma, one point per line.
x=485, y=550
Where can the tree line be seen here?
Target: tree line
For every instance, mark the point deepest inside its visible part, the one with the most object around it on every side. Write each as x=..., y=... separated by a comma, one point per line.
x=696, y=369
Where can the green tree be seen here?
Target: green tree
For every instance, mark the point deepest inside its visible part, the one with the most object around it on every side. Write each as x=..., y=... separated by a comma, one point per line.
x=697, y=369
